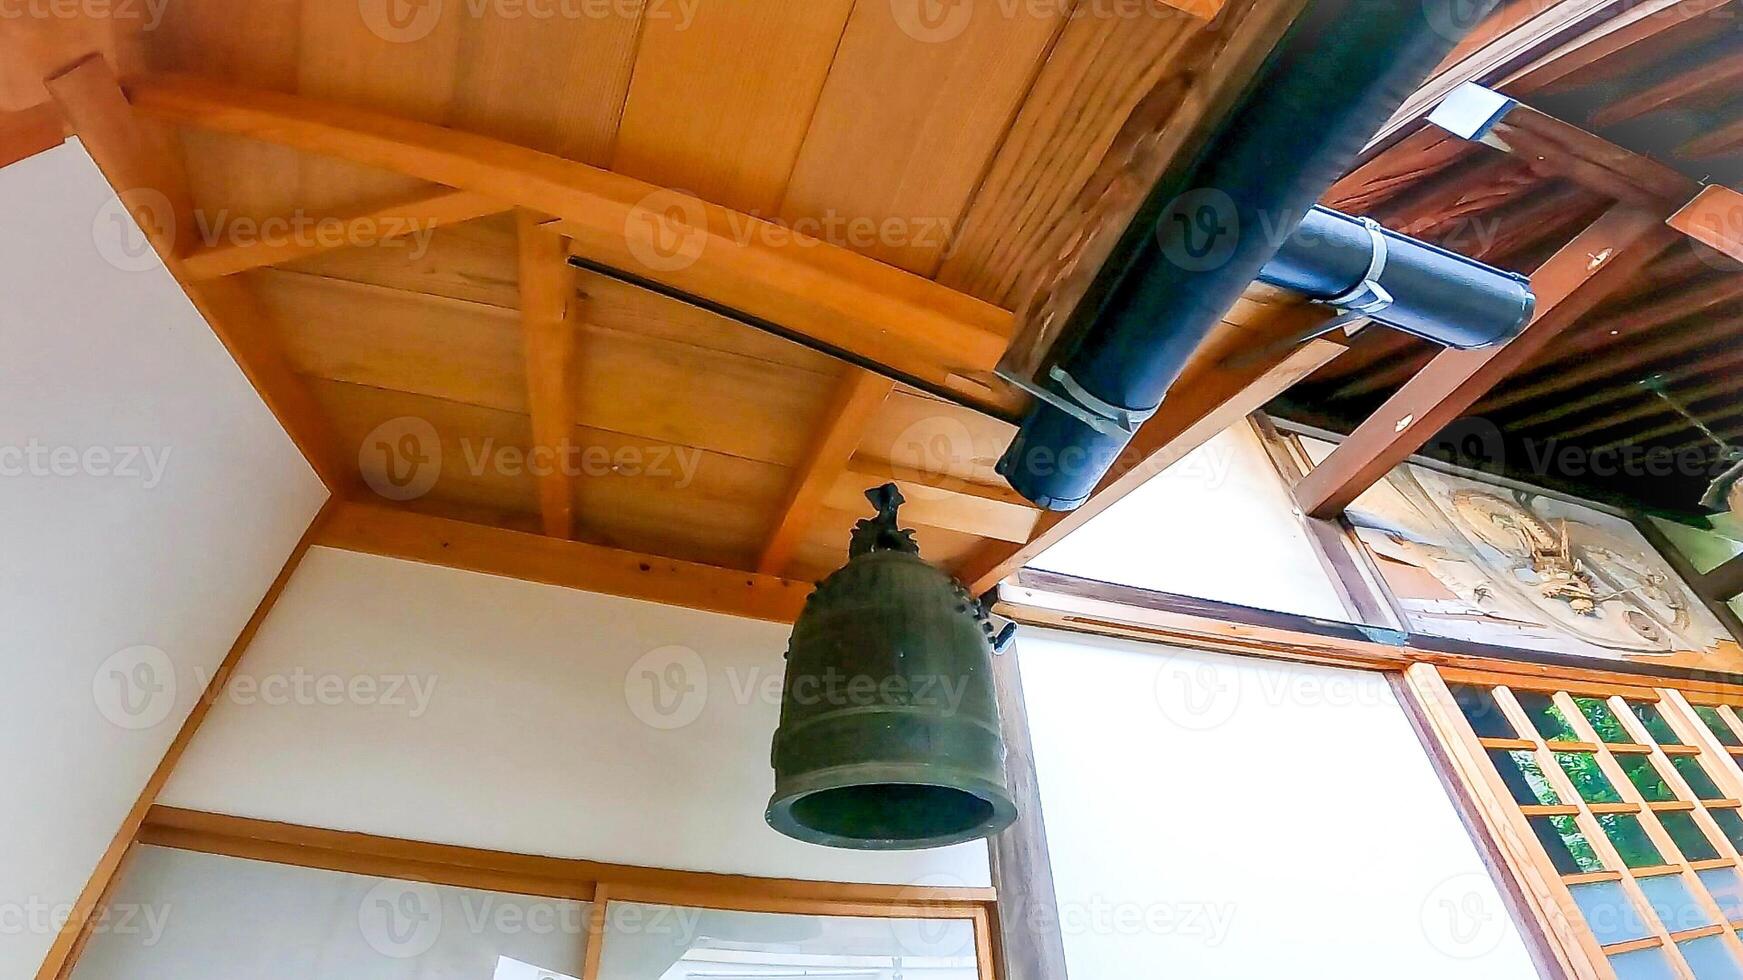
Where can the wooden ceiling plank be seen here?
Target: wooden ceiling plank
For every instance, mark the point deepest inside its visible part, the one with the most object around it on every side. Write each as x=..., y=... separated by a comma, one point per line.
x=1552, y=147
x=1715, y=219
x=369, y=227
x=1399, y=168
x=1705, y=79
x=1170, y=121
x=547, y=295
x=1100, y=69
x=858, y=396
x=1451, y=204
x=395, y=533
x=1567, y=286
x=26, y=133
x=1222, y=386
x=830, y=294
x=1555, y=215
x=145, y=174
x=708, y=112
x=890, y=144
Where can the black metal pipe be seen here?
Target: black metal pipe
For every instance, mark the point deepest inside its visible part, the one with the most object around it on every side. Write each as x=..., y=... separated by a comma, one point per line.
x=1202, y=237
x=1406, y=284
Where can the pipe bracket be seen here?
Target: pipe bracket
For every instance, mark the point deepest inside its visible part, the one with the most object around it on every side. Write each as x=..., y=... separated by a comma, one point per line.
x=1367, y=297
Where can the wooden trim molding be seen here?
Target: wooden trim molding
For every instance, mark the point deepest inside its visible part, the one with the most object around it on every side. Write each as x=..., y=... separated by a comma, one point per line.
x=396, y=533
x=566, y=878
x=521, y=874
x=64, y=952
x=1057, y=601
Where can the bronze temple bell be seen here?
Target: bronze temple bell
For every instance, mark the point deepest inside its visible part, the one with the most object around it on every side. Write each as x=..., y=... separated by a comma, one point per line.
x=889, y=736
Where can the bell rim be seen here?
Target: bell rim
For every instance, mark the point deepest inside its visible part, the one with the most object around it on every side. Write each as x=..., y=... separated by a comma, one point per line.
x=779, y=814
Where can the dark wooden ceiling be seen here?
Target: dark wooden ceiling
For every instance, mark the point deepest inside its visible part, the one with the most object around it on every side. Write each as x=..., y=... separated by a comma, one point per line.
x=1587, y=413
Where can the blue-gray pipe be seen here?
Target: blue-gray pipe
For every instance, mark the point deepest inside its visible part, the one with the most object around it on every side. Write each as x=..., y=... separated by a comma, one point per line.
x=1338, y=73
x=1406, y=284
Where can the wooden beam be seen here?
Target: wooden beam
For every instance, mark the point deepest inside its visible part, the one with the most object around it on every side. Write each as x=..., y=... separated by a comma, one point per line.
x=547, y=295
x=147, y=176
x=829, y=294
x=1715, y=219
x=858, y=396
x=954, y=505
x=1573, y=281
x=304, y=237
x=32, y=131
x=397, y=533
x=1555, y=148
x=1212, y=395
x=88, y=909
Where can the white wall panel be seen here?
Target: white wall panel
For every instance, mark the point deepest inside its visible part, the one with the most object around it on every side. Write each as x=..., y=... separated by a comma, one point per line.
x=527, y=718
x=147, y=500
x=1219, y=524
x=1217, y=817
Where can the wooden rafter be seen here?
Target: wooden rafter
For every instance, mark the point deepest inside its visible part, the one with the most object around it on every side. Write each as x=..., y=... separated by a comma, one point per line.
x=1573, y=281
x=1721, y=140
x=1637, y=29
x=858, y=396
x=1706, y=79
x=1556, y=148
x=1600, y=370
x=1715, y=219
x=1214, y=393
x=547, y=298
x=395, y=533
x=373, y=226
x=138, y=163
x=829, y=294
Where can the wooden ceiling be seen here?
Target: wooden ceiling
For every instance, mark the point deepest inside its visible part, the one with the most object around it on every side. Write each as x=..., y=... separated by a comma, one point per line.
x=938, y=167
x=1655, y=95
x=375, y=204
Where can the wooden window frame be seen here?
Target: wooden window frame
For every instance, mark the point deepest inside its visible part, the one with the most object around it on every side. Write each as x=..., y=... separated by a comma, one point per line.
x=595, y=882
x=1550, y=900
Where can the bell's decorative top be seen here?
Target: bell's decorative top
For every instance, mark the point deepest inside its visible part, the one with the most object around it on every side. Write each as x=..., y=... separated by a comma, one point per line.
x=889, y=736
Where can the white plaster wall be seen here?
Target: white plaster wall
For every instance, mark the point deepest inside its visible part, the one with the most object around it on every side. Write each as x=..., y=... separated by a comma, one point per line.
x=97, y=363
x=1219, y=524
x=1217, y=817
x=552, y=722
